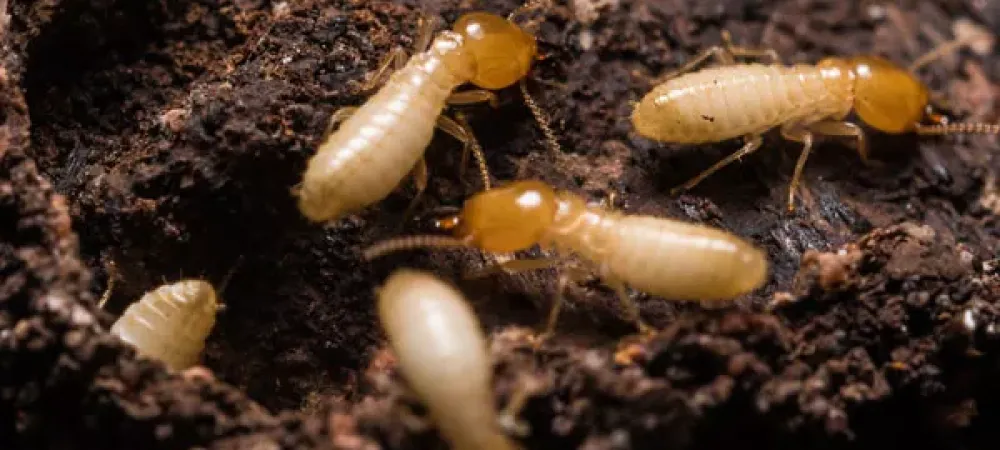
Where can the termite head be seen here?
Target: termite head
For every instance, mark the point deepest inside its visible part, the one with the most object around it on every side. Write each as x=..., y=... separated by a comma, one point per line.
x=506, y=219
x=886, y=96
x=198, y=293
x=503, y=52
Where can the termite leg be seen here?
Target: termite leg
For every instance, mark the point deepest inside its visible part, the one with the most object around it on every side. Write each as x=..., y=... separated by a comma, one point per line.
x=338, y=116
x=512, y=266
x=942, y=50
x=507, y=418
x=720, y=53
x=747, y=52
x=843, y=129
x=473, y=96
x=425, y=32
x=753, y=142
x=609, y=200
x=419, y=176
x=396, y=58
x=460, y=130
x=390, y=63
x=530, y=6
x=630, y=305
x=796, y=132
x=566, y=276
x=107, y=293
x=112, y=279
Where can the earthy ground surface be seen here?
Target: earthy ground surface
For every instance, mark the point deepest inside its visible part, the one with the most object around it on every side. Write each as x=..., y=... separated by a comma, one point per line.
x=163, y=137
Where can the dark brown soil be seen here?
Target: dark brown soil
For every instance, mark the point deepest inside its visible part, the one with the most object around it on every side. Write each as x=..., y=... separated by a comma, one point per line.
x=162, y=138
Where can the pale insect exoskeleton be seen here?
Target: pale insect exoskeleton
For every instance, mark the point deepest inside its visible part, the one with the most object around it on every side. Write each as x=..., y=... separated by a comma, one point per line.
x=745, y=100
x=664, y=257
x=443, y=355
x=171, y=322
x=379, y=143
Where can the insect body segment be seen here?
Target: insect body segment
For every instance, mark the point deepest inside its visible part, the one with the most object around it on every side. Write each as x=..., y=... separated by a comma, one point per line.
x=381, y=142
x=721, y=103
x=442, y=353
x=664, y=257
x=746, y=100
x=171, y=323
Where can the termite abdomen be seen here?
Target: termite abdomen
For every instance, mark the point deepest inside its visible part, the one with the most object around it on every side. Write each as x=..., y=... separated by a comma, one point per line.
x=171, y=322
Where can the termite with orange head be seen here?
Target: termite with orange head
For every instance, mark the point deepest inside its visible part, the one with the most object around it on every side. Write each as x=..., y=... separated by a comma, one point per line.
x=664, y=257
x=745, y=100
x=442, y=353
x=382, y=141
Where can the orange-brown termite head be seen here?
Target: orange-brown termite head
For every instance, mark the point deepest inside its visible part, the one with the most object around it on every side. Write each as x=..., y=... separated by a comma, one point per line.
x=506, y=219
x=503, y=52
x=887, y=97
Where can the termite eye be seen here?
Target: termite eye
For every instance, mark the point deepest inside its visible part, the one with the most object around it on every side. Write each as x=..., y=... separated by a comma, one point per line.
x=502, y=50
x=510, y=218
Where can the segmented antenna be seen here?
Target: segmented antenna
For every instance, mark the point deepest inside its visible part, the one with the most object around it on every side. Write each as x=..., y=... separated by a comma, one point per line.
x=476, y=151
x=387, y=246
x=543, y=121
x=958, y=128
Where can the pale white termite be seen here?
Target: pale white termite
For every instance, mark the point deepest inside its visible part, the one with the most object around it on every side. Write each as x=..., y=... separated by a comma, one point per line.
x=745, y=100
x=443, y=355
x=378, y=144
x=668, y=258
x=171, y=322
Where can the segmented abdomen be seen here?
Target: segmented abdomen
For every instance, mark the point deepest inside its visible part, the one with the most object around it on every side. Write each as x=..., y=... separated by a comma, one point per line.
x=372, y=151
x=682, y=261
x=725, y=102
x=170, y=323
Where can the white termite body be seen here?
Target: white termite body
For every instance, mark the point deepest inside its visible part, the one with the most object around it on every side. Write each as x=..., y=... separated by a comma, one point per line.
x=442, y=353
x=171, y=322
x=373, y=150
x=664, y=257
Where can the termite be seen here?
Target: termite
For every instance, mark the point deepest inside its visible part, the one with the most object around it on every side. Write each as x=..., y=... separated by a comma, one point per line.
x=379, y=143
x=733, y=100
x=171, y=322
x=442, y=353
x=664, y=257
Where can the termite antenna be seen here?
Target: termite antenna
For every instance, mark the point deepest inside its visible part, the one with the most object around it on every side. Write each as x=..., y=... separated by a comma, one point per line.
x=477, y=152
x=387, y=246
x=958, y=128
x=541, y=119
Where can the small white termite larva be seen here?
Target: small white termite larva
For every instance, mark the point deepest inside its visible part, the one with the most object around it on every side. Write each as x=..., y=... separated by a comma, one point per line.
x=443, y=355
x=383, y=140
x=171, y=322
x=668, y=258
